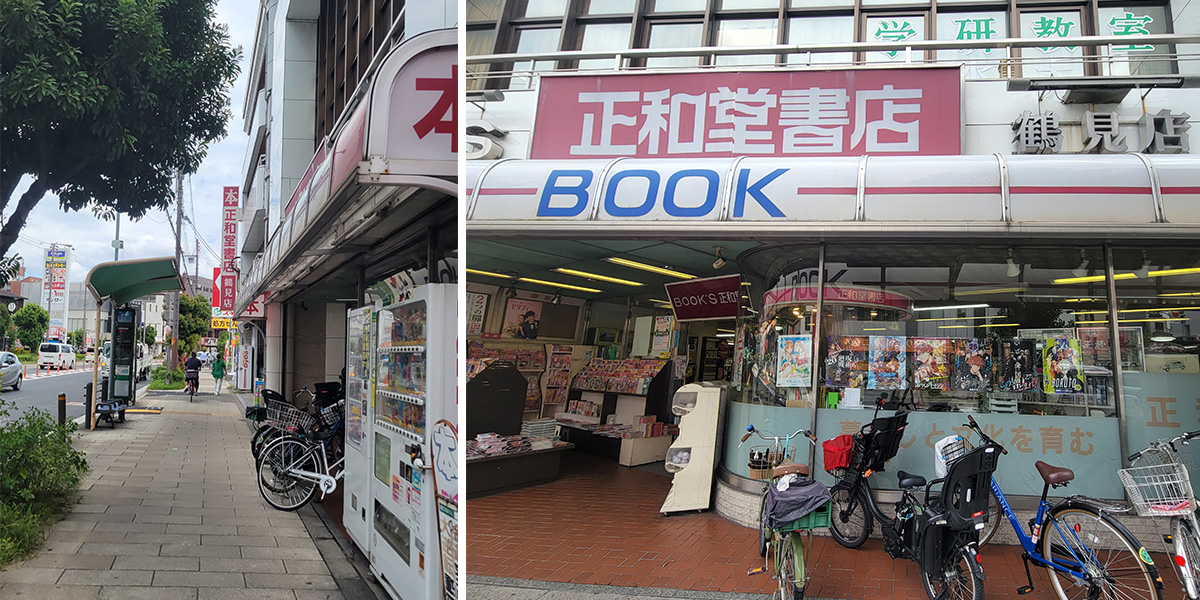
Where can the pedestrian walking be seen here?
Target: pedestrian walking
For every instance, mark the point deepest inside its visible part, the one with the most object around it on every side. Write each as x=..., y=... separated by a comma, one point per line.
x=218, y=371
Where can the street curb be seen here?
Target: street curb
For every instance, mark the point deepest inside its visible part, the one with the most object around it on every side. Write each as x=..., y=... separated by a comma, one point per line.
x=618, y=590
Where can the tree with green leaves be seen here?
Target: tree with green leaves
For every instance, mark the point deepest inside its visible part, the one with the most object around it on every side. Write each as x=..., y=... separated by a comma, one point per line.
x=195, y=313
x=75, y=338
x=31, y=322
x=7, y=331
x=150, y=335
x=102, y=101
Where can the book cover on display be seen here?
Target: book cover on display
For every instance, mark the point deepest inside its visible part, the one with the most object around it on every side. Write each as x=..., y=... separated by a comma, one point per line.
x=930, y=359
x=1062, y=366
x=764, y=367
x=521, y=319
x=846, y=362
x=1093, y=341
x=795, y=361
x=886, y=364
x=1016, y=366
x=972, y=365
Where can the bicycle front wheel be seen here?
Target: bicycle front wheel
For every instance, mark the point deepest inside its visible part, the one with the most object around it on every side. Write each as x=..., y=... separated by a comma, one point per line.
x=959, y=577
x=277, y=479
x=1187, y=546
x=791, y=567
x=1080, y=538
x=850, y=519
x=263, y=437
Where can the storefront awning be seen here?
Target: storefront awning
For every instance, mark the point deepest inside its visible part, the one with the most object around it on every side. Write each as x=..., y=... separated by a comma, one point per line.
x=125, y=280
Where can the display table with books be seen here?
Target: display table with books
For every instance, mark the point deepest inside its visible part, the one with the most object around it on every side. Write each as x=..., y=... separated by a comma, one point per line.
x=497, y=463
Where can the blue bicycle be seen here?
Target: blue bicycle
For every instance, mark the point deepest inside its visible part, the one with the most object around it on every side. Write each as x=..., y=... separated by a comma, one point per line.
x=1087, y=553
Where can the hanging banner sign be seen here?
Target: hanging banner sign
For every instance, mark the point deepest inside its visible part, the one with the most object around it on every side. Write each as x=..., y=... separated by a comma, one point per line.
x=220, y=323
x=706, y=299
x=229, y=218
x=476, y=308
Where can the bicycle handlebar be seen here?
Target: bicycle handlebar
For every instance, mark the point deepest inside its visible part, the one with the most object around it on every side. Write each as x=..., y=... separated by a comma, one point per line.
x=975, y=426
x=776, y=438
x=1185, y=437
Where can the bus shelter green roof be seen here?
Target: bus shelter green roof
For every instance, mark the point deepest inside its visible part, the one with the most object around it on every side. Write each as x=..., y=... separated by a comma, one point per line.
x=125, y=280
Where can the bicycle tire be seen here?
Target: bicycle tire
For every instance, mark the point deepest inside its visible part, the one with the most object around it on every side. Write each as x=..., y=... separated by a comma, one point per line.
x=993, y=521
x=263, y=437
x=1187, y=545
x=278, y=487
x=961, y=577
x=788, y=573
x=764, y=534
x=1118, y=556
x=849, y=530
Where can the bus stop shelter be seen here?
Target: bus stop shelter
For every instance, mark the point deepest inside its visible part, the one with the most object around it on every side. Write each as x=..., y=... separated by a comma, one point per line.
x=120, y=282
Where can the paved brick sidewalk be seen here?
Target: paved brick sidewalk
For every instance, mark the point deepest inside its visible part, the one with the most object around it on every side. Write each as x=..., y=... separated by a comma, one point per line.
x=171, y=510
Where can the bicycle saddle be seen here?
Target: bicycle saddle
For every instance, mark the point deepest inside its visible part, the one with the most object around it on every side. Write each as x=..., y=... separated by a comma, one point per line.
x=908, y=480
x=785, y=469
x=1053, y=475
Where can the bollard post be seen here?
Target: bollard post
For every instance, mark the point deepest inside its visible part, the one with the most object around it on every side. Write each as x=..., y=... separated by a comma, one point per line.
x=87, y=404
x=62, y=409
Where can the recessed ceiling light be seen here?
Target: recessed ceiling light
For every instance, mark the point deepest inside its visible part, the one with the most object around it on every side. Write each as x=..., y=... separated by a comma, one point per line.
x=587, y=275
x=625, y=262
x=565, y=286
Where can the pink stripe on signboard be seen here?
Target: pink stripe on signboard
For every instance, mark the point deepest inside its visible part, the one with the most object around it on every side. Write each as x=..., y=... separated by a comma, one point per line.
x=507, y=191
x=827, y=190
x=1181, y=190
x=1033, y=189
x=968, y=189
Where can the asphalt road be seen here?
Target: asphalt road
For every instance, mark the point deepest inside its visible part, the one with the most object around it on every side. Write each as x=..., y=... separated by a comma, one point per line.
x=43, y=393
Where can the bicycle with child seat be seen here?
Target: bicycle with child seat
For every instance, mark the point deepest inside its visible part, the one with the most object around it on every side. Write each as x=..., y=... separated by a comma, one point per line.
x=938, y=532
x=292, y=469
x=783, y=541
x=1160, y=487
x=272, y=428
x=1086, y=552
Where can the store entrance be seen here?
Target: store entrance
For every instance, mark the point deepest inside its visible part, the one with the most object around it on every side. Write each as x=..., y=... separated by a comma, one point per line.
x=709, y=351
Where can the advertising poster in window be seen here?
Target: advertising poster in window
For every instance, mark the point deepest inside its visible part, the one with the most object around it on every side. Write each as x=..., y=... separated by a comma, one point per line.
x=476, y=308
x=1016, y=366
x=972, y=365
x=930, y=359
x=886, y=368
x=1093, y=341
x=1062, y=366
x=521, y=319
x=660, y=338
x=764, y=367
x=795, y=361
x=846, y=362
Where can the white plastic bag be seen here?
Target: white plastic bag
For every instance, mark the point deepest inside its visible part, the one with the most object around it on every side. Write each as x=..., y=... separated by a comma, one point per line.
x=939, y=461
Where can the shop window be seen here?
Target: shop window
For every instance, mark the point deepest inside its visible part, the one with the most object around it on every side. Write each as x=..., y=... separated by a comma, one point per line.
x=479, y=41
x=1052, y=61
x=483, y=11
x=821, y=30
x=604, y=36
x=748, y=4
x=533, y=40
x=747, y=32
x=675, y=35
x=895, y=28
x=545, y=8
x=1134, y=58
x=892, y=2
x=678, y=5
x=609, y=7
x=978, y=63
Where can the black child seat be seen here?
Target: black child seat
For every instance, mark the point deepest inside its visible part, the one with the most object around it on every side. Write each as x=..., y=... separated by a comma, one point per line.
x=966, y=490
x=269, y=394
x=881, y=441
x=327, y=393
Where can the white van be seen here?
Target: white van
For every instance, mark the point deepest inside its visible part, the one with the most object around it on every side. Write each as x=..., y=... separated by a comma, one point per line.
x=143, y=360
x=56, y=355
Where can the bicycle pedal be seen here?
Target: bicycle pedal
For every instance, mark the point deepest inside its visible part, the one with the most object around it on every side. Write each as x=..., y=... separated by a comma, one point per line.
x=1025, y=589
x=756, y=571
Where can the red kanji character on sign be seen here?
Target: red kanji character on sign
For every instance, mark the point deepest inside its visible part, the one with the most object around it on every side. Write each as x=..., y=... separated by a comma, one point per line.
x=435, y=120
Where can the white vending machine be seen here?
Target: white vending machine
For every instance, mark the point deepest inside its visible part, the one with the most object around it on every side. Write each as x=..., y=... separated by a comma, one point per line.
x=360, y=368
x=412, y=438
x=693, y=456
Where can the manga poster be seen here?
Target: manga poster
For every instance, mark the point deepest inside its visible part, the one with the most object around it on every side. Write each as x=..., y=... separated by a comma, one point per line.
x=1016, y=367
x=886, y=368
x=930, y=358
x=795, y=361
x=1062, y=366
x=846, y=362
x=1093, y=341
x=764, y=367
x=972, y=365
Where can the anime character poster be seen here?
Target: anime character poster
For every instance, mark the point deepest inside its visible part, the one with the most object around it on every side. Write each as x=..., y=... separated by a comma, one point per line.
x=930, y=358
x=972, y=365
x=795, y=361
x=846, y=362
x=764, y=367
x=1062, y=366
x=886, y=368
x=1016, y=367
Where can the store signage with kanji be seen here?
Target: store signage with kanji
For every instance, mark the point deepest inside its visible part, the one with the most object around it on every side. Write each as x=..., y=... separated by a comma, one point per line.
x=706, y=299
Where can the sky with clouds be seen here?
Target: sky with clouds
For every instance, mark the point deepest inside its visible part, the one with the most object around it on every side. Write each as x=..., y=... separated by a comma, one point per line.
x=152, y=235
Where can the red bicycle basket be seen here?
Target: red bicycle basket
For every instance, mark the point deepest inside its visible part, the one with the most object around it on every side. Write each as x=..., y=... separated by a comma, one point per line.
x=838, y=452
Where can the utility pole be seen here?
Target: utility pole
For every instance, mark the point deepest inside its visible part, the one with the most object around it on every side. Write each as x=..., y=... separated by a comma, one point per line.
x=172, y=353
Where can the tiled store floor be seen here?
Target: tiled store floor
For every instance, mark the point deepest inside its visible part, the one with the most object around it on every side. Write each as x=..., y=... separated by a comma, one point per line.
x=599, y=524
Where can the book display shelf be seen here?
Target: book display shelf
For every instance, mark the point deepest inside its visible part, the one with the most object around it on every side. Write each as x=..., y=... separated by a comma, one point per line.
x=613, y=406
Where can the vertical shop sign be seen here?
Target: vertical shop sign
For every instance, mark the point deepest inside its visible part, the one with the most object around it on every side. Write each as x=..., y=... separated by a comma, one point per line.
x=245, y=368
x=55, y=283
x=476, y=309
x=795, y=361
x=706, y=299
x=229, y=275
x=216, y=294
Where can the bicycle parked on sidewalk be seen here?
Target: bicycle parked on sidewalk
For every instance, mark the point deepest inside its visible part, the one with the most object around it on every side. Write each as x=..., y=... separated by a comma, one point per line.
x=801, y=505
x=293, y=468
x=271, y=429
x=1086, y=551
x=1160, y=487
x=938, y=532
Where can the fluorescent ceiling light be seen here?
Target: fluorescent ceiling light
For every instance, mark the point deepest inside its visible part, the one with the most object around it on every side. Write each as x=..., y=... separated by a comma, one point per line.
x=1001, y=325
x=953, y=326
x=565, y=286
x=1006, y=290
x=964, y=318
x=1093, y=278
x=745, y=283
x=1177, y=294
x=875, y=329
x=489, y=274
x=600, y=277
x=1105, y=321
x=1170, y=272
x=961, y=306
x=625, y=262
x=724, y=335
x=1080, y=299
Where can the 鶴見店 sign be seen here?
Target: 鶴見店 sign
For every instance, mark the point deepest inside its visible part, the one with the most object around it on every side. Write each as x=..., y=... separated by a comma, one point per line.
x=706, y=299
x=913, y=111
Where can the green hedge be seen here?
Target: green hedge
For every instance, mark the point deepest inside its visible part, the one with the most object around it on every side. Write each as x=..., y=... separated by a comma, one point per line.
x=158, y=379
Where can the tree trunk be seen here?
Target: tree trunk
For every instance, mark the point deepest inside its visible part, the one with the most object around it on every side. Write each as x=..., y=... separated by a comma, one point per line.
x=16, y=222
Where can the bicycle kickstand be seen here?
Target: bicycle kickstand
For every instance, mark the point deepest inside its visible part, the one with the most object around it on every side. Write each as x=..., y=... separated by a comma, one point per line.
x=1025, y=589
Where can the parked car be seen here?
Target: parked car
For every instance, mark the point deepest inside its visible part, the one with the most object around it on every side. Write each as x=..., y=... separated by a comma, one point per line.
x=89, y=356
x=11, y=371
x=56, y=355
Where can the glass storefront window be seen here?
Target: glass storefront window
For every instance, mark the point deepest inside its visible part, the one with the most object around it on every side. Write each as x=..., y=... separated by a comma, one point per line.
x=820, y=3
x=1055, y=61
x=678, y=5
x=675, y=35
x=978, y=63
x=545, y=8
x=604, y=36
x=609, y=7
x=1134, y=58
x=534, y=40
x=479, y=41
x=747, y=32
x=821, y=30
x=895, y=28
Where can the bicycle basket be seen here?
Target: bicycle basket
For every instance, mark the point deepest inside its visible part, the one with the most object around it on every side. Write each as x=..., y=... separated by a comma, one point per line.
x=331, y=414
x=288, y=417
x=837, y=452
x=764, y=459
x=1158, y=490
x=948, y=451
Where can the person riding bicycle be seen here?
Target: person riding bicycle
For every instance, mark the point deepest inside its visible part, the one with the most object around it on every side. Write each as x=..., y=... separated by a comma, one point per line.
x=191, y=372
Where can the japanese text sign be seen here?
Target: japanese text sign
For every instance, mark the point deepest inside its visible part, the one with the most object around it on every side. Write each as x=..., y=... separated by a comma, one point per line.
x=777, y=113
x=706, y=299
x=228, y=283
